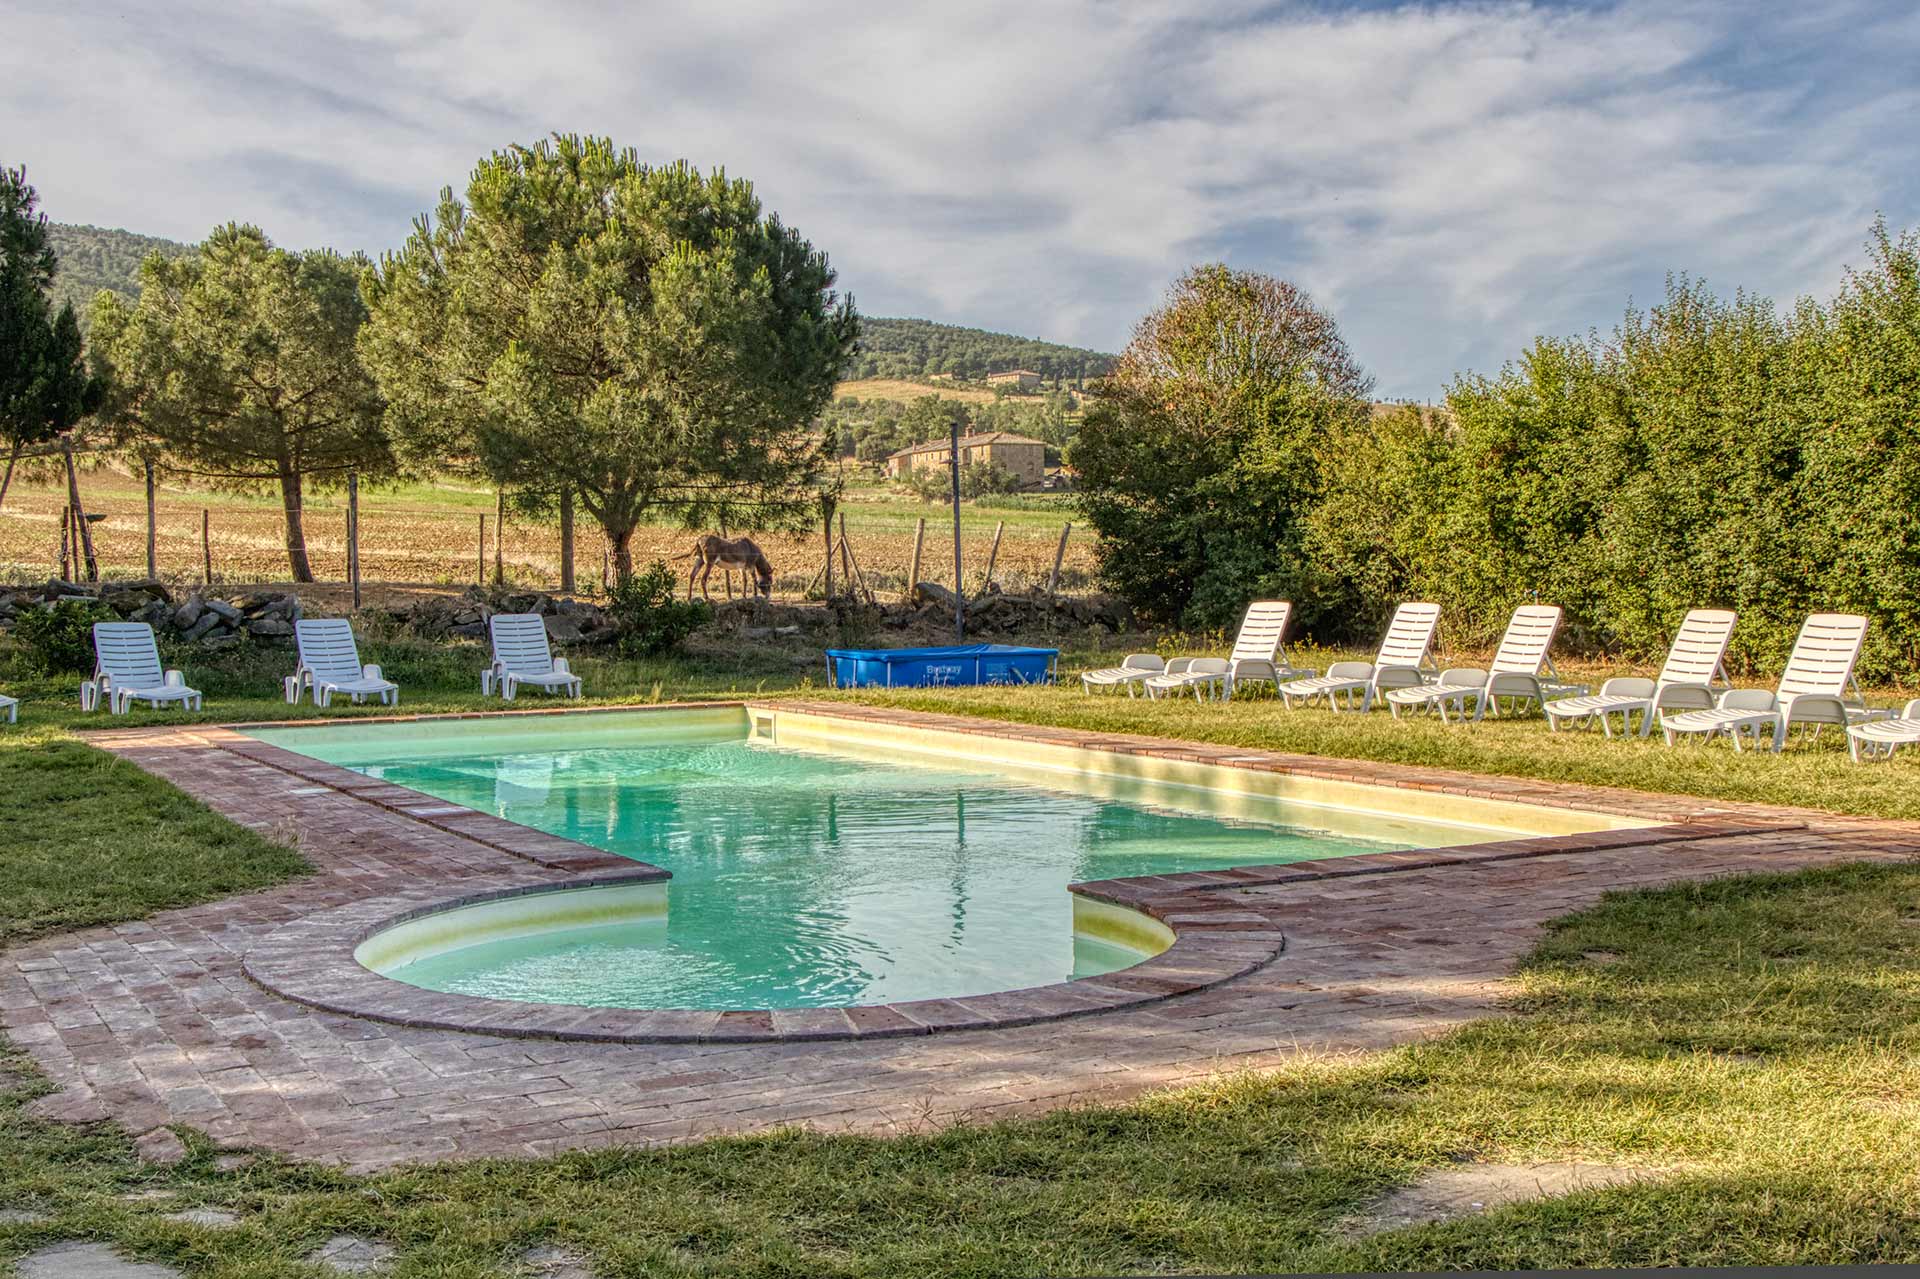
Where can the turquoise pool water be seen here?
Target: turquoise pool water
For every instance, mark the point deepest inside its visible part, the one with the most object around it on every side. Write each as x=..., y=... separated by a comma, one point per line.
x=800, y=878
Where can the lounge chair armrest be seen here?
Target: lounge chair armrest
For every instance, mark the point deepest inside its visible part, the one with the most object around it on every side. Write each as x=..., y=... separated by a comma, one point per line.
x=1176, y=665
x=1462, y=677
x=372, y=671
x=1686, y=697
x=561, y=667
x=1748, y=699
x=1818, y=708
x=1627, y=686
x=175, y=679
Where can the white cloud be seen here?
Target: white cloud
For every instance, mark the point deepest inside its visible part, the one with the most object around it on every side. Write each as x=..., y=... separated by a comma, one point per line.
x=1451, y=179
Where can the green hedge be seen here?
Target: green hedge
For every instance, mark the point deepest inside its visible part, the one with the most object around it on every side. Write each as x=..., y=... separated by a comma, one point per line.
x=1706, y=453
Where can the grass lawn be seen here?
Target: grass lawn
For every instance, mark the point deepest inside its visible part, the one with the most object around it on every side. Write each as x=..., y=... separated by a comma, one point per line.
x=1753, y=1041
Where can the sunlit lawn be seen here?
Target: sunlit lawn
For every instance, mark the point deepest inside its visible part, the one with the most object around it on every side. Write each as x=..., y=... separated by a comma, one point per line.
x=1754, y=1042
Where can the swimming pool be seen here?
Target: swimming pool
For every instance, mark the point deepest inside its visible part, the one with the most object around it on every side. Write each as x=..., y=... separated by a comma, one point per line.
x=816, y=865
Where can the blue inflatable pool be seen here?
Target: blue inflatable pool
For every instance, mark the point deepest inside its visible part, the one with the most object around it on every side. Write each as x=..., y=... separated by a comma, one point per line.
x=932, y=667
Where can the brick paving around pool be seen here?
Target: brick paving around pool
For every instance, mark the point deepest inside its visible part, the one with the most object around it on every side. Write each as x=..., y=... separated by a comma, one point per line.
x=157, y=1022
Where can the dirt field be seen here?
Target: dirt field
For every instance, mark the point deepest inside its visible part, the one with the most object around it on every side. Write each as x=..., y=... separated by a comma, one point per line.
x=429, y=534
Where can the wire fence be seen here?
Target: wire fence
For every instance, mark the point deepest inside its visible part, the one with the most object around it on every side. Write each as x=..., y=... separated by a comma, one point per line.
x=400, y=543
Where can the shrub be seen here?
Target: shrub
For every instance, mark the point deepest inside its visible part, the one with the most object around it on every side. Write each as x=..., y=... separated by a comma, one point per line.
x=59, y=638
x=648, y=616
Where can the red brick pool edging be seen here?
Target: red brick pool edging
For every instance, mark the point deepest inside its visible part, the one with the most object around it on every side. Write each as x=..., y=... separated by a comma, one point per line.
x=152, y=1022
x=312, y=962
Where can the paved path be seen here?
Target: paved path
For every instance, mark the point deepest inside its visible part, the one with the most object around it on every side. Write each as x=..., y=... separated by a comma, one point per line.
x=154, y=1022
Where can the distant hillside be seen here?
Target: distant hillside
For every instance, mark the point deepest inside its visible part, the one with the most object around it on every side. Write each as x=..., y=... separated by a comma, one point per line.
x=891, y=348
x=94, y=258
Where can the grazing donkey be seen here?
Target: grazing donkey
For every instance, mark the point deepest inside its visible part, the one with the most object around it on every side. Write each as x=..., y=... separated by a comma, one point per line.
x=726, y=554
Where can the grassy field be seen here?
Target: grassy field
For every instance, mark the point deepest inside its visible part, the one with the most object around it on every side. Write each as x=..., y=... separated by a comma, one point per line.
x=1749, y=1044
x=429, y=534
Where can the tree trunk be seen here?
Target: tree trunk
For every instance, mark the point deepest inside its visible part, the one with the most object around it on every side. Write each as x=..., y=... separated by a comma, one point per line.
x=621, y=540
x=566, y=541
x=7, y=483
x=296, y=524
x=80, y=514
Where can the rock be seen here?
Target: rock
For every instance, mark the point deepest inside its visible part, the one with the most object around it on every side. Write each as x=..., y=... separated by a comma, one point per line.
x=269, y=628
x=160, y=1146
x=223, y=610
x=232, y=1162
x=351, y=1254
x=189, y=612
x=88, y=1261
x=23, y=1217
x=226, y=640
x=1463, y=1189
x=933, y=592
x=125, y=602
x=562, y=630
x=549, y=1262
x=152, y=587
x=207, y=621
x=155, y=612
x=212, y=1218
x=468, y=630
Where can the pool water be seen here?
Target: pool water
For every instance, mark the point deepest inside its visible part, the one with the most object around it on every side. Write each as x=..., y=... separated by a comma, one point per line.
x=803, y=878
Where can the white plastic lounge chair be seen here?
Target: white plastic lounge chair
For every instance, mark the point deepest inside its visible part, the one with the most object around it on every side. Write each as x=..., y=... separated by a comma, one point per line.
x=127, y=670
x=1817, y=688
x=1402, y=662
x=1693, y=675
x=1259, y=653
x=11, y=705
x=1133, y=669
x=1880, y=738
x=330, y=664
x=1520, y=670
x=521, y=655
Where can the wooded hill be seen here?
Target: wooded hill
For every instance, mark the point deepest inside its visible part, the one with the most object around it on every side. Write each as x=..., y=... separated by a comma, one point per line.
x=94, y=258
x=921, y=348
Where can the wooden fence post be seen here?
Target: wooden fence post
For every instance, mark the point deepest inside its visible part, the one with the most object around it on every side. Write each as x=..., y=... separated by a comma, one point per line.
x=206, y=545
x=500, y=539
x=153, y=558
x=480, y=578
x=1059, y=554
x=913, y=571
x=829, y=533
x=566, y=541
x=66, y=537
x=993, y=556
x=353, y=535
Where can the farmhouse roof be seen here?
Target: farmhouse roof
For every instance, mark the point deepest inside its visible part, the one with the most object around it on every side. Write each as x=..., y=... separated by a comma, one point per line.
x=969, y=441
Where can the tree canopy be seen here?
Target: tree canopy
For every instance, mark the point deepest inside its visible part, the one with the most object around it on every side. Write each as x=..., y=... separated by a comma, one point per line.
x=45, y=385
x=645, y=338
x=1198, y=461
x=239, y=363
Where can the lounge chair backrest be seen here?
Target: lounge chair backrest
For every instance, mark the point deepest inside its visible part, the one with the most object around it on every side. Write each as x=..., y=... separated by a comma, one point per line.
x=327, y=649
x=126, y=653
x=1207, y=666
x=1409, y=636
x=1823, y=656
x=1143, y=662
x=1911, y=710
x=1699, y=648
x=520, y=643
x=1261, y=631
x=1530, y=632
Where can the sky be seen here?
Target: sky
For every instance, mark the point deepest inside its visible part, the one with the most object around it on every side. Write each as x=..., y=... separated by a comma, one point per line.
x=1450, y=180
